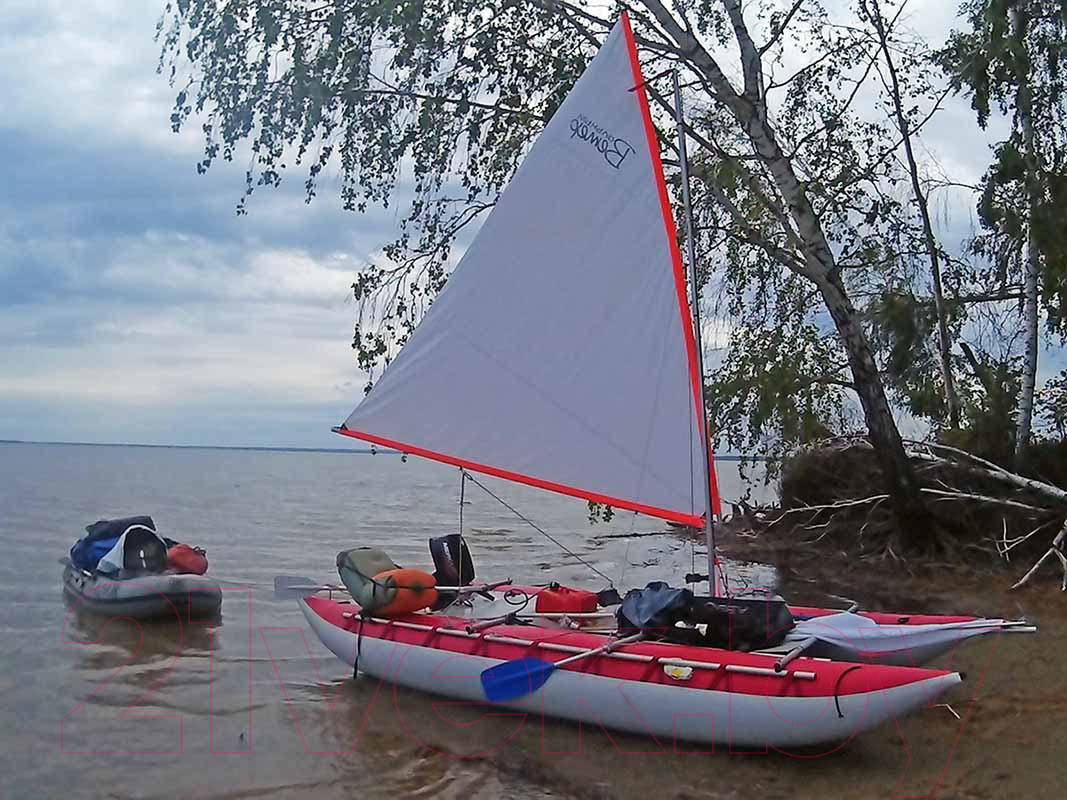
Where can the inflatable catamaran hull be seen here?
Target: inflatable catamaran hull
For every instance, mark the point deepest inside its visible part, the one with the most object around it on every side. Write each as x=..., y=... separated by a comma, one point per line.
x=671, y=692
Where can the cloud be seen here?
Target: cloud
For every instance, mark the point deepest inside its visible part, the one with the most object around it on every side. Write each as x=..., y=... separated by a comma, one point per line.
x=134, y=304
x=86, y=68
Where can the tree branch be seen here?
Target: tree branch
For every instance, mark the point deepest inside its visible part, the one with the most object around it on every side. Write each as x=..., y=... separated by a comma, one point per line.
x=1056, y=549
x=776, y=34
x=434, y=98
x=751, y=62
x=698, y=171
x=818, y=256
x=983, y=498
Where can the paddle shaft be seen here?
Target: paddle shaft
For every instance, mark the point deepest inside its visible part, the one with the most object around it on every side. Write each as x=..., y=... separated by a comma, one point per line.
x=780, y=664
x=325, y=587
x=458, y=589
x=512, y=679
x=606, y=648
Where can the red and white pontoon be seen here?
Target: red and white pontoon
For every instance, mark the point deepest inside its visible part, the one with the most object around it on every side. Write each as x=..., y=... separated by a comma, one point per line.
x=676, y=693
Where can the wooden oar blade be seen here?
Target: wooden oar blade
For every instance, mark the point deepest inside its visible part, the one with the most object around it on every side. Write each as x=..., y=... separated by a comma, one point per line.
x=293, y=587
x=514, y=679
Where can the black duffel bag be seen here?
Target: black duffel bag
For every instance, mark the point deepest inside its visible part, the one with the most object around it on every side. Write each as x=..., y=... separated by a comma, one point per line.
x=742, y=623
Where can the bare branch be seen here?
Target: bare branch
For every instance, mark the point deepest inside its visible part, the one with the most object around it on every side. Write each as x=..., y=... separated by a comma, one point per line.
x=988, y=468
x=779, y=84
x=990, y=297
x=1056, y=549
x=983, y=498
x=829, y=507
x=777, y=33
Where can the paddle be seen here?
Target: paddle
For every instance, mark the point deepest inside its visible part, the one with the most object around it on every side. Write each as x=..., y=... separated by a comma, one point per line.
x=291, y=587
x=523, y=676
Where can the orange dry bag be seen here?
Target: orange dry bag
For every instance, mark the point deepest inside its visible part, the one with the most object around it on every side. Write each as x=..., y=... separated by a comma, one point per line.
x=183, y=558
x=414, y=591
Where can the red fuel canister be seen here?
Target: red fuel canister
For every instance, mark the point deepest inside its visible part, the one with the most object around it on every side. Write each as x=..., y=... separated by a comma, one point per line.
x=565, y=600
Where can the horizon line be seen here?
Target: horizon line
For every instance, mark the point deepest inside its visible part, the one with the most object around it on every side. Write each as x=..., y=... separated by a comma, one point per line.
x=268, y=448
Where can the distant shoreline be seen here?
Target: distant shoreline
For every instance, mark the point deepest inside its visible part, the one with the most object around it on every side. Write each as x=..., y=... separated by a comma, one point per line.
x=349, y=450
x=357, y=451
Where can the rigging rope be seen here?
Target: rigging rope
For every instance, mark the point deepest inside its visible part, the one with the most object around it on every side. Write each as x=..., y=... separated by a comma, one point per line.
x=626, y=554
x=693, y=557
x=462, y=486
x=537, y=528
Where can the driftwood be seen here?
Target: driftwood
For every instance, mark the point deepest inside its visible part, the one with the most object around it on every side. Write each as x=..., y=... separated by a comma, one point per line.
x=976, y=504
x=1056, y=549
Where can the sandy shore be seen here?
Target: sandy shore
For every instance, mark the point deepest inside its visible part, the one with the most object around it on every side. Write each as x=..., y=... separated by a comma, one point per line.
x=1012, y=710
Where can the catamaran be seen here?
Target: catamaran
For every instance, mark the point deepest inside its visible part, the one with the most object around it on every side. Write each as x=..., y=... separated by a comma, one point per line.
x=564, y=354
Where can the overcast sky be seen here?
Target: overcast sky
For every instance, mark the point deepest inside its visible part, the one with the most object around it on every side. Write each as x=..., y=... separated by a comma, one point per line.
x=135, y=305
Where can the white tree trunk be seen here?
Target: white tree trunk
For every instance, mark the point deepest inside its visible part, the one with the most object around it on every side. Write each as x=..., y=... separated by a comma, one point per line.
x=1024, y=420
x=1032, y=265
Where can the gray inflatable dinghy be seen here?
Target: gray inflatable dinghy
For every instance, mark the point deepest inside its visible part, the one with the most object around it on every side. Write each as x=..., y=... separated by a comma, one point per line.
x=120, y=569
x=147, y=596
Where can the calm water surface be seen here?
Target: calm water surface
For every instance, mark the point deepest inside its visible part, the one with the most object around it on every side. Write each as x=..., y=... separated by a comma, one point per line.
x=232, y=708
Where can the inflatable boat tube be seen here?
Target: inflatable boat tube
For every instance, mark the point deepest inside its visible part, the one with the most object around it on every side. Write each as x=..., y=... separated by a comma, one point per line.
x=143, y=597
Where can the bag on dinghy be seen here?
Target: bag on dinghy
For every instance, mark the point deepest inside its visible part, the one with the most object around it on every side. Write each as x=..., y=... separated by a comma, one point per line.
x=139, y=550
x=101, y=536
x=733, y=624
x=380, y=586
x=742, y=623
x=655, y=609
x=185, y=559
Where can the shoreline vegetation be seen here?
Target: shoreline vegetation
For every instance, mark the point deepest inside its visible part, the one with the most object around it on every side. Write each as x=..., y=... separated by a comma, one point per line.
x=981, y=513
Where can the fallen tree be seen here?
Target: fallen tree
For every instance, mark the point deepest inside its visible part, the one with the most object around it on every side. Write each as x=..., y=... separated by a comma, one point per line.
x=980, y=510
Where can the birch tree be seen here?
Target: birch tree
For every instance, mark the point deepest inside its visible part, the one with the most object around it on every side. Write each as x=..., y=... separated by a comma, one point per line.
x=1011, y=59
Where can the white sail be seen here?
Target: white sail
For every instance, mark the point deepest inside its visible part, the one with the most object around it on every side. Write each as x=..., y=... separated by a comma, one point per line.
x=560, y=353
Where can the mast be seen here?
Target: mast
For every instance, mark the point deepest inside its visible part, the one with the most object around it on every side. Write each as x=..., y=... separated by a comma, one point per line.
x=694, y=304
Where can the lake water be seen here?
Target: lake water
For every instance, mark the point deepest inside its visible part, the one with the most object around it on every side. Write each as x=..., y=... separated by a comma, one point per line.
x=258, y=514
x=252, y=705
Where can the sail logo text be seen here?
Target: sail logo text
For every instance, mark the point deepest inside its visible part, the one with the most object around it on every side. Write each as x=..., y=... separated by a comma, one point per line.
x=611, y=147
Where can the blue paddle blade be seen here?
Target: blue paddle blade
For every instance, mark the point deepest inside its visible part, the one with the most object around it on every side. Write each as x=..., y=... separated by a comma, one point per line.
x=514, y=679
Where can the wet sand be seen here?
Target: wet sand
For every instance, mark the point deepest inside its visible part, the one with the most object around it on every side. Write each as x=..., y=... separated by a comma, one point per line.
x=1012, y=708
